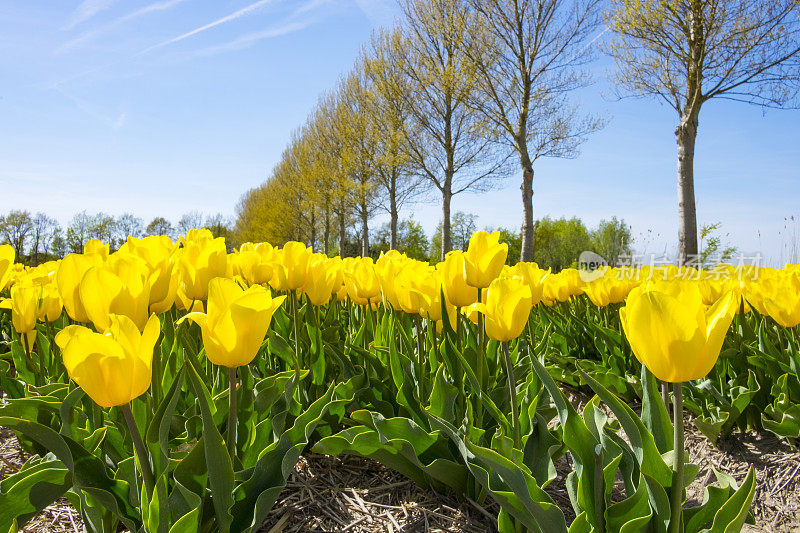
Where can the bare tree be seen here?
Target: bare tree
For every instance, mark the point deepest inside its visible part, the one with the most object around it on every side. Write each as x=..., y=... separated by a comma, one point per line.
x=15, y=229
x=79, y=231
x=128, y=225
x=449, y=144
x=358, y=140
x=159, y=226
x=528, y=58
x=687, y=52
x=190, y=220
x=42, y=235
x=389, y=115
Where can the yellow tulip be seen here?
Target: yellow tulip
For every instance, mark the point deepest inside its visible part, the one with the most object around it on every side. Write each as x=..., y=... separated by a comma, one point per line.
x=256, y=262
x=783, y=303
x=115, y=367
x=24, y=305
x=609, y=289
x=484, y=258
x=70, y=273
x=120, y=287
x=672, y=333
x=157, y=251
x=236, y=322
x=415, y=283
x=365, y=280
x=532, y=275
x=199, y=261
x=321, y=279
x=50, y=305
x=96, y=247
x=294, y=263
x=387, y=267
x=171, y=296
x=507, y=308
x=454, y=281
x=7, y=256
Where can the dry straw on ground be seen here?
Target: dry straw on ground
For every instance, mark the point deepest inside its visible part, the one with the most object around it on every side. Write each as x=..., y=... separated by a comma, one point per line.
x=357, y=495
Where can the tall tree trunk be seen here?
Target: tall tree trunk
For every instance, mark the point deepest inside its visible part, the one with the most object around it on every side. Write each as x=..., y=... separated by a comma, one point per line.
x=393, y=213
x=342, y=234
x=326, y=236
x=686, y=134
x=313, y=229
x=527, y=202
x=364, y=232
x=447, y=245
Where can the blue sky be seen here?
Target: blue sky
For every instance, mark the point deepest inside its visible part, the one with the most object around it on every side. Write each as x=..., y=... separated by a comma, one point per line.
x=165, y=106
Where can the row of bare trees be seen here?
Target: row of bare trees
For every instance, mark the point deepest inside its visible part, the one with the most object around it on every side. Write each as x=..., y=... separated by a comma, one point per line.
x=39, y=237
x=463, y=94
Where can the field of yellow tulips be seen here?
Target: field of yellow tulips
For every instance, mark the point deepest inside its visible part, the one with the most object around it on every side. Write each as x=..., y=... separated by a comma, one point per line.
x=172, y=386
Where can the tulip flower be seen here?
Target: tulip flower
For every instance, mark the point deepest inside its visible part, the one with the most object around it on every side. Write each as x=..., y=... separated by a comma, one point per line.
x=293, y=259
x=236, y=322
x=256, y=262
x=7, y=256
x=484, y=258
x=365, y=280
x=233, y=330
x=609, y=289
x=412, y=285
x=506, y=311
x=532, y=275
x=96, y=247
x=779, y=297
x=157, y=251
x=199, y=261
x=119, y=287
x=170, y=298
x=508, y=305
x=50, y=305
x=24, y=305
x=68, y=277
x=321, y=278
x=387, y=267
x=672, y=333
x=114, y=368
x=454, y=280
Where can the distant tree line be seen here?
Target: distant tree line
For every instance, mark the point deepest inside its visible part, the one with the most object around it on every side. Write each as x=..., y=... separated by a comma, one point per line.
x=37, y=237
x=557, y=242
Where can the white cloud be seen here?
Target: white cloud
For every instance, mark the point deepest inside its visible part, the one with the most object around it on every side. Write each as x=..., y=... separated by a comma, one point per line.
x=245, y=11
x=90, y=35
x=379, y=12
x=86, y=10
x=250, y=39
x=290, y=25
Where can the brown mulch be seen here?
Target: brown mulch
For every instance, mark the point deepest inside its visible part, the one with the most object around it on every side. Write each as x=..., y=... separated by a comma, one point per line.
x=353, y=494
x=350, y=493
x=58, y=517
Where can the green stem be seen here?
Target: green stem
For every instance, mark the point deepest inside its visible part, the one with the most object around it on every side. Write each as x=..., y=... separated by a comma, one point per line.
x=232, y=412
x=479, y=366
x=677, y=478
x=512, y=392
x=293, y=297
x=140, y=449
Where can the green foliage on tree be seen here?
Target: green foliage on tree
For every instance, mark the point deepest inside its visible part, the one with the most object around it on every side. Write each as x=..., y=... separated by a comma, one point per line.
x=712, y=248
x=612, y=239
x=411, y=239
x=558, y=243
